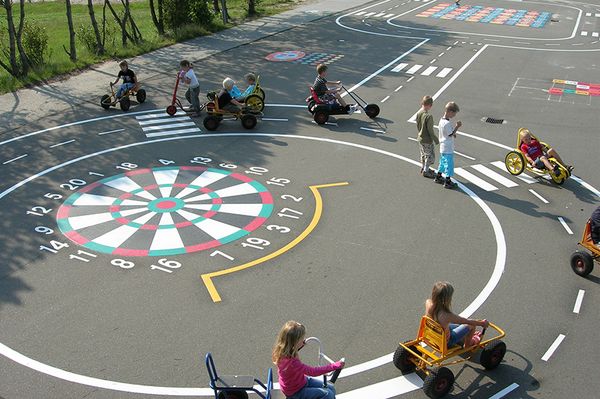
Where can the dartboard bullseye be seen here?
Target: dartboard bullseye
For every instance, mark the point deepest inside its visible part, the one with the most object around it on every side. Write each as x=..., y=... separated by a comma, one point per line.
x=164, y=211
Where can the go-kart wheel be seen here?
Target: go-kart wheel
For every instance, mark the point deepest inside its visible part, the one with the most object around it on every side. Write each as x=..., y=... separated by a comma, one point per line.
x=105, y=101
x=140, y=96
x=492, y=355
x=210, y=106
x=311, y=106
x=125, y=103
x=402, y=360
x=438, y=383
x=372, y=110
x=515, y=163
x=239, y=394
x=211, y=123
x=255, y=103
x=321, y=117
x=261, y=93
x=562, y=176
x=582, y=263
x=171, y=110
x=248, y=121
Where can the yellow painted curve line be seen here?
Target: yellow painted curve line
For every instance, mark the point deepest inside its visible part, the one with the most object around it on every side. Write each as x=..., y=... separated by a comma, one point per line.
x=207, y=278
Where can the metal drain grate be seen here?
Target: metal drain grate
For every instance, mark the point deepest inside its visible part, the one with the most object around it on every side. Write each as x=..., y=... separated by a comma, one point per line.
x=494, y=120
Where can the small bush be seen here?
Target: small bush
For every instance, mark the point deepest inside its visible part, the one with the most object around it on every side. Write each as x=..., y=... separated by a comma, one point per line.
x=200, y=13
x=86, y=36
x=35, y=42
x=176, y=14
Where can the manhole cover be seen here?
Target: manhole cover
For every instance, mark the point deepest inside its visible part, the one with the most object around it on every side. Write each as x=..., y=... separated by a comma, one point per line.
x=494, y=120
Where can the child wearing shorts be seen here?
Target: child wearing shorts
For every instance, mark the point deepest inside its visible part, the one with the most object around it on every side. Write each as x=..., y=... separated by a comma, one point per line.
x=129, y=79
x=447, y=134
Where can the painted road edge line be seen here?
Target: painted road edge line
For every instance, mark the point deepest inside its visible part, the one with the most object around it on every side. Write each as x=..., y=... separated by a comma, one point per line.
x=14, y=159
x=553, y=347
x=565, y=225
x=505, y=391
x=578, y=301
x=110, y=131
x=544, y=200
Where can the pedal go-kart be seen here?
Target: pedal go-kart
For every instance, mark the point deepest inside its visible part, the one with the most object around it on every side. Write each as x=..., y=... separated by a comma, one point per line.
x=430, y=354
x=516, y=162
x=323, y=359
x=582, y=262
x=247, y=116
x=322, y=111
x=256, y=99
x=111, y=100
x=236, y=386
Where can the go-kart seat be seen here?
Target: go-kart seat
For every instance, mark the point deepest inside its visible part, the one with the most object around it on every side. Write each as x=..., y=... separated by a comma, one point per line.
x=313, y=95
x=433, y=335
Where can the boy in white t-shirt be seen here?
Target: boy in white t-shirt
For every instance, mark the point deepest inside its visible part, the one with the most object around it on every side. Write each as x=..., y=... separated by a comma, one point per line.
x=192, y=94
x=447, y=134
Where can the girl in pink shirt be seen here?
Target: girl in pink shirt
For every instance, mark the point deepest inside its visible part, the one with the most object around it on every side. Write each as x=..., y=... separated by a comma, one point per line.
x=293, y=373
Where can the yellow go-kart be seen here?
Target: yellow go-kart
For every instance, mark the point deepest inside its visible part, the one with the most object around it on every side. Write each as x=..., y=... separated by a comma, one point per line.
x=516, y=163
x=256, y=99
x=582, y=262
x=429, y=353
x=247, y=116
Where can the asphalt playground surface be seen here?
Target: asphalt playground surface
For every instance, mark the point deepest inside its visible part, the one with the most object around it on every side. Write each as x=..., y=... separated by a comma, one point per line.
x=115, y=282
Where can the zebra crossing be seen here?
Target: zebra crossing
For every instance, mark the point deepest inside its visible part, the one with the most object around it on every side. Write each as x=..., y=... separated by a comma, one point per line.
x=487, y=177
x=161, y=124
x=428, y=71
x=590, y=14
x=592, y=34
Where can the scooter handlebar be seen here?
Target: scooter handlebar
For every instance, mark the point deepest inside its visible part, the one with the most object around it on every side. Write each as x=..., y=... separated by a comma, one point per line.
x=336, y=373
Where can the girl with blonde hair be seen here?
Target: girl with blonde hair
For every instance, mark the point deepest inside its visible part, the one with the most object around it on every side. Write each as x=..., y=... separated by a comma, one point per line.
x=293, y=373
x=459, y=331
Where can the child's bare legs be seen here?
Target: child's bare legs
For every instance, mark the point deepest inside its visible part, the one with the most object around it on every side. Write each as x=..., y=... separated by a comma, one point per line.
x=469, y=336
x=554, y=154
x=340, y=99
x=547, y=163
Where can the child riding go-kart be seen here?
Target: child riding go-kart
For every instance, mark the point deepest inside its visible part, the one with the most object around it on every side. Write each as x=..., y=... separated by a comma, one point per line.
x=321, y=110
x=222, y=105
x=582, y=262
x=111, y=99
x=536, y=157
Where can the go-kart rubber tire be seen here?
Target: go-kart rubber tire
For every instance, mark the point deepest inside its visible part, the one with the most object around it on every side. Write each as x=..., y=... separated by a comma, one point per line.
x=321, y=117
x=491, y=356
x=438, y=382
x=255, y=103
x=125, y=103
x=211, y=123
x=372, y=110
x=140, y=96
x=402, y=360
x=261, y=93
x=514, y=162
x=171, y=110
x=582, y=263
x=248, y=121
x=562, y=177
x=105, y=101
x=233, y=395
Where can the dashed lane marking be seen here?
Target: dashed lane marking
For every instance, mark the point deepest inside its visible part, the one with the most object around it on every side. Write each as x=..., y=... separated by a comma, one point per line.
x=110, y=132
x=63, y=143
x=578, y=301
x=385, y=99
x=372, y=130
x=505, y=391
x=14, y=159
x=544, y=200
x=565, y=225
x=553, y=347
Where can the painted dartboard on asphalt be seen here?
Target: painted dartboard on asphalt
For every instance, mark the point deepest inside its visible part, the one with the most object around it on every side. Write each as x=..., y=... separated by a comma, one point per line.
x=164, y=211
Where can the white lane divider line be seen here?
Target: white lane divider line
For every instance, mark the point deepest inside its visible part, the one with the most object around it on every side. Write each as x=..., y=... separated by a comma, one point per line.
x=429, y=71
x=14, y=159
x=381, y=14
x=399, y=67
x=523, y=177
x=544, y=200
x=440, y=54
x=414, y=69
x=174, y=125
x=398, y=89
x=495, y=176
x=553, y=347
x=448, y=48
x=433, y=60
x=565, y=225
x=475, y=180
x=444, y=72
x=329, y=123
x=385, y=99
x=360, y=13
x=409, y=79
x=578, y=301
x=464, y=155
x=388, y=16
x=275, y=119
x=385, y=389
x=63, y=143
x=367, y=15
x=171, y=132
x=372, y=130
x=413, y=139
x=110, y=132
x=505, y=391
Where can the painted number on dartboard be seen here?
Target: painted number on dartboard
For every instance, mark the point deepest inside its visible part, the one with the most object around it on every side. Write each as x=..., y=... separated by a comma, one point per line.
x=201, y=160
x=126, y=166
x=166, y=265
x=278, y=181
x=38, y=211
x=73, y=184
x=256, y=243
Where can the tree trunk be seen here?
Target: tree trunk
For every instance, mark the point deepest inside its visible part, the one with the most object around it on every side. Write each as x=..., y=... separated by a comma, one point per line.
x=99, y=41
x=216, y=8
x=25, y=64
x=122, y=23
x=158, y=22
x=73, y=51
x=251, y=8
x=14, y=67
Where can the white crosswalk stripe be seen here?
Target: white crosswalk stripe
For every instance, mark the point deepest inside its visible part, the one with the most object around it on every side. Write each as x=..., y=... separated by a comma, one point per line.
x=414, y=69
x=523, y=176
x=429, y=71
x=399, y=67
x=369, y=14
x=360, y=13
x=444, y=72
x=484, y=170
x=595, y=34
x=161, y=124
x=475, y=179
x=584, y=33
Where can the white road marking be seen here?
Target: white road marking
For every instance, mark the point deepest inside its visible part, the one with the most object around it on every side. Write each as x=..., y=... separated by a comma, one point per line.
x=505, y=391
x=455, y=43
x=331, y=123
x=544, y=200
x=429, y=71
x=275, y=119
x=586, y=185
x=110, y=132
x=588, y=14
x=171, y=126
x=172, y=132
x=399, y=67
x=584, y=33
x=433, y=60
x=81, y=222
x=369, y=14
x=595, y=34
x=118, y=236
x=444, y=72
x=166, y=238
x=166, y=119
x=388, y=16
x=14, y=159
x=523, y=177
x=409, y=79
x=167, y=176
x=398, y=89
x=578, y=301
x=440, y=54
x=565, y=225
x=475, y=179
x=385, y=99
x=597, y=14
x=385, y=389
x=161, y=115
x=495, y=176
x=63, y=143
x=381, y=14
x=414, y=69
x=553, y=347
x=372, y=130
x=492, y=40
x=521, y=42
x=448, y=48
x=464, y=155
x=286, y=105
x=360, y=13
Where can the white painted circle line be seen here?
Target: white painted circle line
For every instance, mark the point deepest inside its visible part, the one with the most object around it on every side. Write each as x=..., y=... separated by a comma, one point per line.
x=578, y=301
x=553, y=347
x=177, y=391
x=505, y=391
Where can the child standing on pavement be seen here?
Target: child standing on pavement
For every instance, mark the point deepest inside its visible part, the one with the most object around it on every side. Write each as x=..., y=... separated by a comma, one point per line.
x=192, y=94
x=447, y=134
x=293, y=373
x=426, y=137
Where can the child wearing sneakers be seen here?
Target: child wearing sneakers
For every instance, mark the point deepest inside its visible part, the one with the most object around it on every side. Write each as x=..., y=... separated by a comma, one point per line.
x=426, y=137
x=329, y=91
x=447, y=134
x=187, y=76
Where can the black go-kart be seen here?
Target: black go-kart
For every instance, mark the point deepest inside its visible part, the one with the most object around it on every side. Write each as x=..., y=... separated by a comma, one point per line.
x=321, y=111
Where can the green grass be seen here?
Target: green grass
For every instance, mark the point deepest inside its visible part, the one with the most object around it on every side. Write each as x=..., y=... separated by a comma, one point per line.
x=52, y=16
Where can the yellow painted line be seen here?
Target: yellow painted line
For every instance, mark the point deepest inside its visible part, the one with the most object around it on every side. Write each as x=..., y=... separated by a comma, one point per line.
x=207, y=278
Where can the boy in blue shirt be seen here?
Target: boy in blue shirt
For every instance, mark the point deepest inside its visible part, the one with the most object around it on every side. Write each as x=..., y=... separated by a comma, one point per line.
x=236, y=93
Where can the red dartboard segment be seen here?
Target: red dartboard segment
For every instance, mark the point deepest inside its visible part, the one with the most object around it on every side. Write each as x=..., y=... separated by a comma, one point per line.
x=285, y=56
